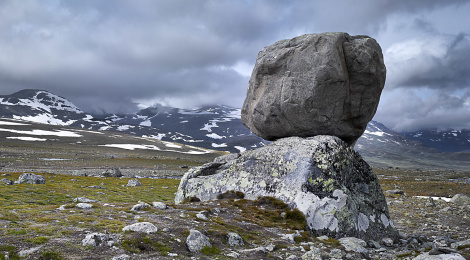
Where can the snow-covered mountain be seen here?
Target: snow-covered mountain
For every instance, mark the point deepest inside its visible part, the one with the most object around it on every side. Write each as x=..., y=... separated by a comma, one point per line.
x=444, y=141
x=218, y=128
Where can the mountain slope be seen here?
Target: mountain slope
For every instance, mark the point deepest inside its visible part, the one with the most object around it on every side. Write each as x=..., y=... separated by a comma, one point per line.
x=444, y=141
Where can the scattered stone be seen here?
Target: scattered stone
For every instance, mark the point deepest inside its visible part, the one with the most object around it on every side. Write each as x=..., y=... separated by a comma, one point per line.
x=337, y=254
x=84, y=200
x=233, y=255
x=95, y=239
x=31, y=178
x=201, y=216
x=374, y=244
x=143, y=227
x=140, y=206
x=62, y=207
x=7, y=182
x=290, y=237
x=427, y=256
x=465, y=243
x=315, y=84
x=112, y=172
x=460, y=199
x=79, y=173
x=395, y=191
x=321, y=176
x=442, y=250
x=134, y=183
x=430, y=203
x=386, y=241
x=354, y=244
x=96, y=187
x=159, y=205
x=197, y=241
x=6, y=175
x=84, y=205
x=122, y=257
x=234, y=239
x=313, y=254
x=27, y=252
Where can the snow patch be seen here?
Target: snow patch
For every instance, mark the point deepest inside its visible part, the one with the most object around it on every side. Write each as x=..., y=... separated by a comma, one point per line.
x=215, y=136
x=62, y=133
x=240, y=148
x=219, y=145
x=11, y=123
x=27, y=138
x=146, y=123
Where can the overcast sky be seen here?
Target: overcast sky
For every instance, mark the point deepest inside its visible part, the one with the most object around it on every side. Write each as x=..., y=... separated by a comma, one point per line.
x=105, y=56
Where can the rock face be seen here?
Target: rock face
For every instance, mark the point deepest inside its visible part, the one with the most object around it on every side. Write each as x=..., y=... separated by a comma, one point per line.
x=322, y=176
x=315, y=84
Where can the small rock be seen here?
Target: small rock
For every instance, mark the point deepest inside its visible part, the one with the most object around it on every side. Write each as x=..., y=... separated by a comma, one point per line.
x=430, y=203
x=172, y=254
x=95, y=239
x=62, y=207
x=96, y=187
x=7, y=182
x=27, y=252
x=84, y=205
x=395, y=191
x=441, y=250
x=234, y=239
x=427, y=256
x=197, y=241
x=113, y=172
x=337, y=254
x=460, y=243
x=143, y=227
x=313, y=254
x=201, y=216
x=84, y=200
x=79, y=173
x=140, y=206
x=159, y=205
x=386, y=241
x=122, y=257
x=134, y=183
x=374, y=244
x=354, y=244
x=31, y=178
x=441, y=241
x=233, y=255
x=270, y=247
x=460, y=199
x=290, y=237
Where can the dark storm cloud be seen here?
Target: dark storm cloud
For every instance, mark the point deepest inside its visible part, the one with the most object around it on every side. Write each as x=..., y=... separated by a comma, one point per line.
x=106, y=55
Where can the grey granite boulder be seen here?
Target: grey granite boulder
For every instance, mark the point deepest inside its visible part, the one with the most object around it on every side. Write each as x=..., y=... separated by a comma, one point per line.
x=143, y=227
x=95, y=239
x=196, y=241
x=315, y=84
x=31, y=178
x=322, y=176
x=134, y=183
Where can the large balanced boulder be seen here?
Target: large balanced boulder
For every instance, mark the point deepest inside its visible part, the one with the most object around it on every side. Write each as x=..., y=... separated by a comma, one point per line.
x=315, y=84
x=322, y=176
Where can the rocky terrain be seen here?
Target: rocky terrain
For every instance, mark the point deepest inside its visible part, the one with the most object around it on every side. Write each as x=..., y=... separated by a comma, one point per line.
x=53, y=220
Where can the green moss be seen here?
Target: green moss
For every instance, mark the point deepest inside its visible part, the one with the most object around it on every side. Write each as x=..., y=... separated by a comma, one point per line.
x=11, y=252
x=17, y=232
x=38, y=240
x=405, y=254
x=138, y=243
x=49, y=255
x=210, y=250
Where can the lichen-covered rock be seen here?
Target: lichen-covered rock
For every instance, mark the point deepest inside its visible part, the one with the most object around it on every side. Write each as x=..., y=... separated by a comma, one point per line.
x=234, y=239
x=143, y=227
x=315, y=84
x=95, y=239
x=31, y=178
x=196, y=241
x=322, y=176
x=134, y=183
x=460, y=199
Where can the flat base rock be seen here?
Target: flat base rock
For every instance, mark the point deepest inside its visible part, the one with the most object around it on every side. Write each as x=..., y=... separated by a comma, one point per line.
x=322, y=176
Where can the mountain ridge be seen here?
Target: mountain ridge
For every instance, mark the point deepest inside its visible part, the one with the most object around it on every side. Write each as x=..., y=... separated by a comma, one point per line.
x=216, y=127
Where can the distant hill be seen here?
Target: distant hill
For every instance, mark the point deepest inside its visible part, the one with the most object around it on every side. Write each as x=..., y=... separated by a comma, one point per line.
x=219, y=128
x=445, y=141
